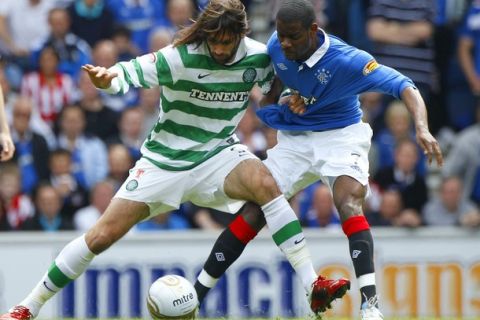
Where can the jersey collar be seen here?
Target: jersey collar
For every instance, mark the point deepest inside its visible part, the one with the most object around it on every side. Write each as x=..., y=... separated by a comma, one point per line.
x=317, y=55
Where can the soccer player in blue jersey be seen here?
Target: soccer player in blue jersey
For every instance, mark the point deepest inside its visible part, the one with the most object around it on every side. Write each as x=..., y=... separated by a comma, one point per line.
x=321, y=135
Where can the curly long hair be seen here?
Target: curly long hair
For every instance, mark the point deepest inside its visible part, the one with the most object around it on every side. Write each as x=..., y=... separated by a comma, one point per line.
x=219, y=17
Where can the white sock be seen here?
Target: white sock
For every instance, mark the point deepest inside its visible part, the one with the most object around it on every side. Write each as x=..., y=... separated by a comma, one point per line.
x=72, y=261
x=207, y=280
x=288, y=235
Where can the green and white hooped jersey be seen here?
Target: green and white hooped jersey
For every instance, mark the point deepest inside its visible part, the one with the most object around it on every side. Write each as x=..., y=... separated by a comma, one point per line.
x=202, y=101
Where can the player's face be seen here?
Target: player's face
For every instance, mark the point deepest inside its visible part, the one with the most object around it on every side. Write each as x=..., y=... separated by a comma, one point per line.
x=223, y=47
x=297, y=42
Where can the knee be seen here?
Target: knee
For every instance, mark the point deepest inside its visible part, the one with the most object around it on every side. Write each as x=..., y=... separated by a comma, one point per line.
x=267, y=188
x=99, y=240
x=268, y=183
x=350, y=206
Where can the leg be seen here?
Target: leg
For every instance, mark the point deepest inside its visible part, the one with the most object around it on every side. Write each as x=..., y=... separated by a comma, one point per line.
x=349, y=195
x=252, y=181
x=120, y=216
x=231, y=244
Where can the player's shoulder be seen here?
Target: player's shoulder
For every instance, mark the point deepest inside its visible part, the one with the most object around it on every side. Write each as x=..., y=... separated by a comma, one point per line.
x=340, y=46
x=273, y=41
x=169, y=50
x=273, y=46
x=254, y=46
x=173, y=54
x=349, y=59
x=342, y=50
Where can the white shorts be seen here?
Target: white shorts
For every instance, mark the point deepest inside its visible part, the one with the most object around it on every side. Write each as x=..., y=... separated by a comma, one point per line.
x=301, y=158
x=164, y=190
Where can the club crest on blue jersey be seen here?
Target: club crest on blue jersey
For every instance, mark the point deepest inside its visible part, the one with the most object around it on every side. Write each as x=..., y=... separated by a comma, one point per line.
x=282, y=66
x=249, y=75
x=323, y=75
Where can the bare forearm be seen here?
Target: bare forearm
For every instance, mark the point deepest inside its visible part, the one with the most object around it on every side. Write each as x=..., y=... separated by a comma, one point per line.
x=416, y=106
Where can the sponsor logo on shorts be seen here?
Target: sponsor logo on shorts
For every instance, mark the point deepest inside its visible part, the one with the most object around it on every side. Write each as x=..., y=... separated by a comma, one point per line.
x=132, y=185
x=219, y=256
x=355, y=157
x=242, y=153
x=357, y=168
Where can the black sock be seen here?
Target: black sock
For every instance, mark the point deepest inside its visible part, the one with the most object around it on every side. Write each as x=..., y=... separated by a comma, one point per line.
x=225, y=251
x=361, y=252
x=201, y=291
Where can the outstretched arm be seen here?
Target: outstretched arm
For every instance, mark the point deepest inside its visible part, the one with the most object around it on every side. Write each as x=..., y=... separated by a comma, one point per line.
x=101, y=77
x=416, y=106
x=6, y=144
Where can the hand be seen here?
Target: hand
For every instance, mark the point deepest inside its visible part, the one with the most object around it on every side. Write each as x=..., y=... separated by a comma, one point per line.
x=7, y=148
x=429, y=145
x=100, y=76
x=295, y=103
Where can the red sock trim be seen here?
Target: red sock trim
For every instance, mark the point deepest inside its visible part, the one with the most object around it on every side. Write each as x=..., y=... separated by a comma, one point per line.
x=355, y=224
x=242, y=230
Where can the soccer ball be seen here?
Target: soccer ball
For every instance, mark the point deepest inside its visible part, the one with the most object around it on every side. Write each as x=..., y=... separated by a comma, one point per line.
x=172, y=297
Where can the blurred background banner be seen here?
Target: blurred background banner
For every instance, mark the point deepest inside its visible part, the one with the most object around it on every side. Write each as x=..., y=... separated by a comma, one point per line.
x=429, y=272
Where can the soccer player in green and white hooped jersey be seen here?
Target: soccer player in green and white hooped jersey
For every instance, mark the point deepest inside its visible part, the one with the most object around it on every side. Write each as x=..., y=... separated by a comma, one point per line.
x=202, y=101
x=192, y=153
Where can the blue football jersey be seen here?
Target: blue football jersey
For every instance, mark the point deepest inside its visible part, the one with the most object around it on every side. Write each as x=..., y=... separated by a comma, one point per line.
x=329, y=82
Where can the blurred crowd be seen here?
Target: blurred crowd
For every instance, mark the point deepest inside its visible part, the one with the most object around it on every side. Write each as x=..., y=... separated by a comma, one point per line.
x=75, y=145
